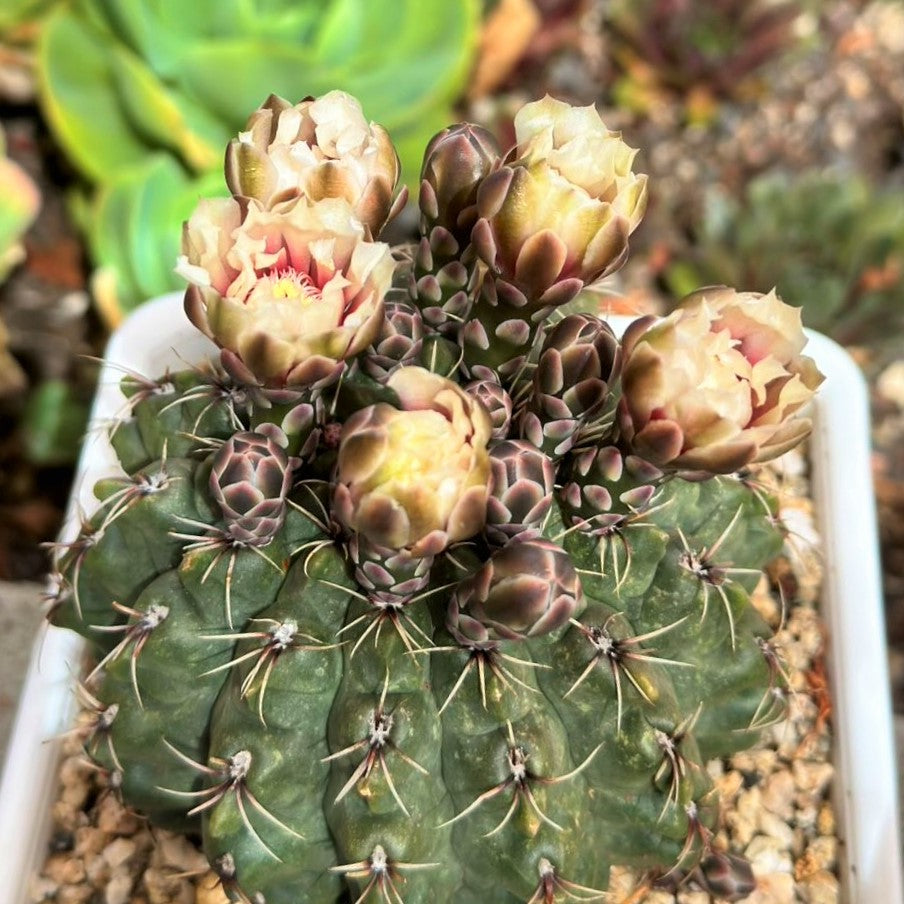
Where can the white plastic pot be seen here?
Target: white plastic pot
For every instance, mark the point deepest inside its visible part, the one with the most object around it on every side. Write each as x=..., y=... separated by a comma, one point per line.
x=157, y=335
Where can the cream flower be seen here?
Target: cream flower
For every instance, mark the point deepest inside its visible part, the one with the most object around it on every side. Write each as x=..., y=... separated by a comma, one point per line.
x=715, y=385
x=415, y=478
x=292, y=293
x=317, y=149
x=565, y=208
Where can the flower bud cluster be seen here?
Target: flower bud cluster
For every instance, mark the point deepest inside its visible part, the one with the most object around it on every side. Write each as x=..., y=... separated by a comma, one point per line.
x=427, y=448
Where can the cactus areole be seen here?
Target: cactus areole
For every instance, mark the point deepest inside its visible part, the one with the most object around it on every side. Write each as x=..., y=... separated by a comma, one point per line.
x=427, y=589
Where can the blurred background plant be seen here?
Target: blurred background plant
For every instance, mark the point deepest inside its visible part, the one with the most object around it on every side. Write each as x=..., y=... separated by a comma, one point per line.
x=19, y=204
x=20, y=24
x=171, y=82
x=831, y=242
x=695, y=54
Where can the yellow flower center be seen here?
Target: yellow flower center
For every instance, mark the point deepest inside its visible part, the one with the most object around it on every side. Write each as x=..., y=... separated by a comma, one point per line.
x=288, y=283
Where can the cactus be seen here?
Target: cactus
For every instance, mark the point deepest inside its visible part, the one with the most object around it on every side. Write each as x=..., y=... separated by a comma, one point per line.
x=384, y=632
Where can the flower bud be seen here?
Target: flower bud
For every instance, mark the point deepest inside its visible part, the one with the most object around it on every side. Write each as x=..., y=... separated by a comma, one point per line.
x=291, y=293
x=249, y=479
x=415, y=477
x=560, y=215
x=455, y=162
x=521, y=485
x=525, y=589
x=497, y=402
x=715, y=385
x=316, y=149
x=580, y=359
x=399, y=341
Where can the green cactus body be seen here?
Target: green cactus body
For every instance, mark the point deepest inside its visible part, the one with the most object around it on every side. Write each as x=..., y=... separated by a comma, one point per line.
x=386, y=622
x=440, y=795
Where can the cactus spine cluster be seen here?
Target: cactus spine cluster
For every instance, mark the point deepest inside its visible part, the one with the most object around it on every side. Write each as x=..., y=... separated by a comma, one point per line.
x=391, y=602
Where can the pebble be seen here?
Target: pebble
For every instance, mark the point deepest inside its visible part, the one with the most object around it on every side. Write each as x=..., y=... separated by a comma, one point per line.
x=210, y=891
x=768, y=855
x=778, y=794
x=119, y=889
x=693, y=897
x=812, y=778
x=177, y=852
x=775, y=888
x=75, y=894
x=825, y=819
x=821, y=854
x=119, y=851
x=114, y=819
x=163, y=888
x=65, y=870
x=820, y=888
x=771, y=825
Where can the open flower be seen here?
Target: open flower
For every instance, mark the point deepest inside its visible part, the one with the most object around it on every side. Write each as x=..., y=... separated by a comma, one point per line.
x=415, y=477
x=561, y=214
x=291, y=293
x=715, y=385
x=317, y=149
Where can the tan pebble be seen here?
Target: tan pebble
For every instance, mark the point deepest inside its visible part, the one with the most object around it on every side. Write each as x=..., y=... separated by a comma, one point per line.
x=75, y=796
x=162, y=888
x=765, y=761
x=65, y=817
x=178, y=852
x=771, y=825
x=820, y=855
x=119, y=889
x=89, y=840
x=806, y=813
x=693, y=897
x=825, y=819
x=773, y=888
x=114, y=818
x=742, y=818
x=767, y=855
x=812, y=777
x=75, y=894
x=820, y=888
x=659, y=897
x=210, y=891
x=800, y=841
x=119, y=851
x=778, y=794
x=97, y=870
x=65, y=869
x=74, y=771
x=729, y=784
x=42, y=888
x=145, y=842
